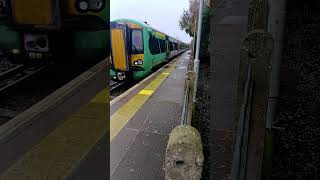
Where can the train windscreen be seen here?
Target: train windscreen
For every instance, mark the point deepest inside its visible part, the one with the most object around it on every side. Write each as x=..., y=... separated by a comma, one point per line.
x=137, y=42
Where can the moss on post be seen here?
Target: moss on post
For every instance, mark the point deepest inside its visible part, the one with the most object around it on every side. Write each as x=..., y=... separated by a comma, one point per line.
x=184, y=154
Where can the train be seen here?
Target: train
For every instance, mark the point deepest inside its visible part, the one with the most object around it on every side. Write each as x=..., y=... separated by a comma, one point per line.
x=33, y=30
x=137, y=48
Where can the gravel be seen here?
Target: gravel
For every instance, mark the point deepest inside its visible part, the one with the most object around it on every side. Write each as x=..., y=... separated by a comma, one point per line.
x=5, y=64
x=201, y=117
x=297, y=150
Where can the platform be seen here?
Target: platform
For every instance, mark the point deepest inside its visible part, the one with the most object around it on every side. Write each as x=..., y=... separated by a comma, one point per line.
x=228, y=25
x=141, y=120
x=64, y=136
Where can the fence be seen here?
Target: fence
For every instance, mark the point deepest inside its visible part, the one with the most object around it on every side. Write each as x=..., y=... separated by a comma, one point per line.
x=253, y=91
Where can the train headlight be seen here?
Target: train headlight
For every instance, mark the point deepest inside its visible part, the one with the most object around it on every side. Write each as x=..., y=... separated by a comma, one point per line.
x=15, y=51
x=96, y=5
x=84, y=6
x=139, y=62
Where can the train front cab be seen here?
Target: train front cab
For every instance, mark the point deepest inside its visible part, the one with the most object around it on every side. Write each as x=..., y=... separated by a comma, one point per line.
x=50, y=28
x=127, y=50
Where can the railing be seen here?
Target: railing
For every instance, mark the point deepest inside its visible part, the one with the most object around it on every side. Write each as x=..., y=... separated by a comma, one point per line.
x=253, y=92
x=253, y=89
x=243, y=130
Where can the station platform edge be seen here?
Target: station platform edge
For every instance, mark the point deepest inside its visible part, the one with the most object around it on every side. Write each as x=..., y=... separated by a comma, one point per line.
x=74, y=148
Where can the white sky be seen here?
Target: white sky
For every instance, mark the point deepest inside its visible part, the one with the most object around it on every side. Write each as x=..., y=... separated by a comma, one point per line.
x=163, y=15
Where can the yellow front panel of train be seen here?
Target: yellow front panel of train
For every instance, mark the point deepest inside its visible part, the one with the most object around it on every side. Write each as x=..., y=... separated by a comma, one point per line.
x=118, y=49
x=136, y=57
x=33, y=12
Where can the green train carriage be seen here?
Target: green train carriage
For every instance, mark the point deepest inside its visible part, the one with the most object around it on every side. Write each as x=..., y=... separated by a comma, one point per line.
x=137, y=48
x=55, y=29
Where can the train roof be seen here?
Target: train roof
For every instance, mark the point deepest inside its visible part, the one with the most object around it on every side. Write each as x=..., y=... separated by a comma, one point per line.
x=144, y=25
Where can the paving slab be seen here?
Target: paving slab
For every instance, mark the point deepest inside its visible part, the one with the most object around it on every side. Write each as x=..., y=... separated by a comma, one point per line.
x=144, y=159
x=164, y=117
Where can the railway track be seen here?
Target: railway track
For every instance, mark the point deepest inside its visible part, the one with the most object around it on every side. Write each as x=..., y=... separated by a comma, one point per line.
x=11, y=74
x=115, y=85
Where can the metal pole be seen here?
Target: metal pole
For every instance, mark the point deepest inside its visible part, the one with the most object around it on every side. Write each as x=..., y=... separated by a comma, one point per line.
x=276, y=23
x=197, y=61
x=194, y=38
x=237, y=152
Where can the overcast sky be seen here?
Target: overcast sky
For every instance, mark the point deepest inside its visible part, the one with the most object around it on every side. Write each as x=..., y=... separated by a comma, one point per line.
x=163, y=15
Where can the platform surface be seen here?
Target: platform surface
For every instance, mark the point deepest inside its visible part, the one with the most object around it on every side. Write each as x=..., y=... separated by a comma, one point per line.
x=142, y=120
x=64, y=136
x=228, y=25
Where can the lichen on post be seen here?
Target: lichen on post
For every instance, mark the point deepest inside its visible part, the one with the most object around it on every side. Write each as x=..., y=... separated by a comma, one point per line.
x=184, y=154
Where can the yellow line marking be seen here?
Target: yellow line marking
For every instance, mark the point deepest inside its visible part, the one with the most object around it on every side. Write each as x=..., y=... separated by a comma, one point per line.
x=165, y=73
x=120, y=118
x=146, y=92
x=141, y=82
x=102, y=96
x=59, y=153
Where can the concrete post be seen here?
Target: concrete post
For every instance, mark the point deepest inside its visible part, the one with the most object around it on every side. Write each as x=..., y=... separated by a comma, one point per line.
x=190, y=66
x=184, y=154
x=256, y=50
x=188, y=103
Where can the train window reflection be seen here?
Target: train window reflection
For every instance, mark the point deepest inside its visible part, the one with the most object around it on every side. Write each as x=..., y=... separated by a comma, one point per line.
x=137, y=42
x=3, y=8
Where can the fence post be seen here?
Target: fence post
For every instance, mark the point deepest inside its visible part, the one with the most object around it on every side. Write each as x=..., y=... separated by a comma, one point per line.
x=188, y=99
x=256, y=51
x=190, y=66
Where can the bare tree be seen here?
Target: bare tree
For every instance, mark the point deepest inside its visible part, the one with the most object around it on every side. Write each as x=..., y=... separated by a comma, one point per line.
x=188, y=18
x=188, y=23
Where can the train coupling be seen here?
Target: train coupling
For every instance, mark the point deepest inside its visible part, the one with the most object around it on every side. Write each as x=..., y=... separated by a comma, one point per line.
x=121, y=76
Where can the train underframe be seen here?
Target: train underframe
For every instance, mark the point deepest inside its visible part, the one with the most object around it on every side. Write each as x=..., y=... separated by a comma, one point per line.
x=83, y=47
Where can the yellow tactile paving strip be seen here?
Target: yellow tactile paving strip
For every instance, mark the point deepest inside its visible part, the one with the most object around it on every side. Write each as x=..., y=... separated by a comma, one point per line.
x=121, y=117
x=58, y=154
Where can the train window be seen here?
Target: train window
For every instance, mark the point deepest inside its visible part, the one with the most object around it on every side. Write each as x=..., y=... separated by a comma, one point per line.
x=154, y=45
x=3, y=8
x=162, y=45
x=137, y=42
x=171, y=46
x=167, y=46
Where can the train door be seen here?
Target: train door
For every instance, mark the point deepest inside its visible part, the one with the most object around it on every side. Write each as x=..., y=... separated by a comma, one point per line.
x=119, y=49
x=167, y=47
